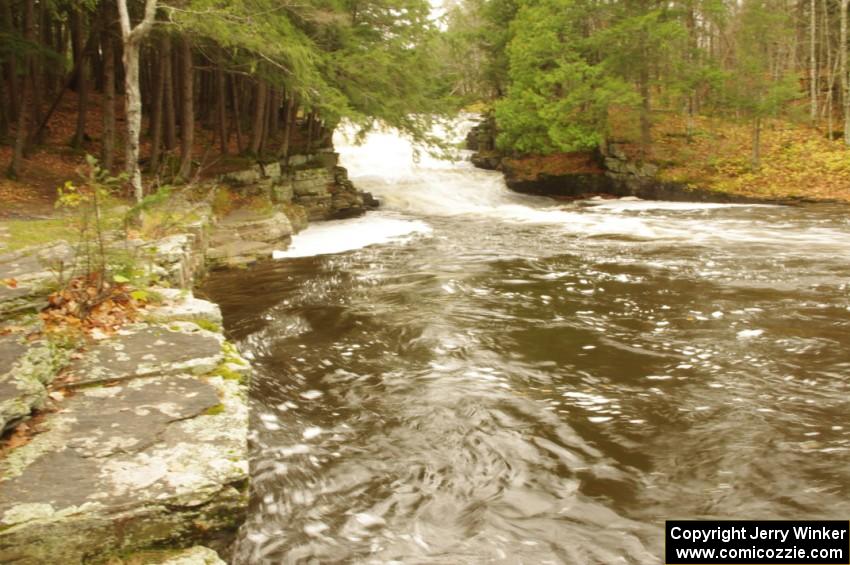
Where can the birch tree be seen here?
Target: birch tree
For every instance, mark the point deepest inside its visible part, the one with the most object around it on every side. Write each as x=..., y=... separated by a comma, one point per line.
x=132, y=38
x=845, y=87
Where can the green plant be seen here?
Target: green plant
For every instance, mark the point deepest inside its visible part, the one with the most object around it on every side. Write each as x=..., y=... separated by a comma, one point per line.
x=86, y=203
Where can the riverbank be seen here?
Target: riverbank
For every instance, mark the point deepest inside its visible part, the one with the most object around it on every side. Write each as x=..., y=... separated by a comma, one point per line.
x=133, y=437
x=124, y=441
x=711, y=164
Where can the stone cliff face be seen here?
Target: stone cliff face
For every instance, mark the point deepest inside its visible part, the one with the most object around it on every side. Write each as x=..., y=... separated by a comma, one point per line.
x=606, y=172
x=315, y=182
x=307, y=188
x=628, y=177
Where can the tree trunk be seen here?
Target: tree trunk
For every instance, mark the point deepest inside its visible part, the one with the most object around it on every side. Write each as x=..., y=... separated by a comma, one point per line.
x=756, y=158
x=645, y=112
x=826, y=57
x=132, y=38
x=38, y=70
x=60, y=46
x=221, y=109
x=23, y=126
x=49, y=71
x=208, y=99
x=310, y=131
x=267, y=119
x=274, y=115
x=259, y=114
x=157, y=113
x=169, y=112
x=11, y=63
x=291, y=111
x=107, y=156
x=82, y=83
x=845, y=87
x=134, y=115
x=813, y=87
x=237, y=113
x=25, y=111
x=4, y=116
x=187, y=118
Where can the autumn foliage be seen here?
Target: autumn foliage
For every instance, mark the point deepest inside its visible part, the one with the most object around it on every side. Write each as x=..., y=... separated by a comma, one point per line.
x=88, y=303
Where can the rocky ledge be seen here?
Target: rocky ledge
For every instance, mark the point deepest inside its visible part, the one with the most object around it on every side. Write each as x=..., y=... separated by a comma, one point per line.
x=141, y=443
x=35, y=273
x=133, y=448
x=572, y=176
x=293, y=193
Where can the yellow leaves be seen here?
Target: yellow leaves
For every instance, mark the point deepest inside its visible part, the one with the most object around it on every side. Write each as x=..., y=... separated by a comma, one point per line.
x=140, y=296
x=69, y=196
x=796, y=160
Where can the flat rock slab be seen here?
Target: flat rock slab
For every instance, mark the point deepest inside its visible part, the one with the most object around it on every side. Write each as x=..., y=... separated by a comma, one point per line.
x=103, y=422
x=123, y=468
x=148, y=350
x=197, y=555
x=36, y=262
x=182, y=306
x=20, y=297
x=25, y=370
x=245, y=236
x=240, y=253
x=34, y=273
x=11, y=349
x=249, y=225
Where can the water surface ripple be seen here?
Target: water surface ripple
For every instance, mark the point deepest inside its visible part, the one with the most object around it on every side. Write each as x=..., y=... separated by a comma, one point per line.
x=513, y=381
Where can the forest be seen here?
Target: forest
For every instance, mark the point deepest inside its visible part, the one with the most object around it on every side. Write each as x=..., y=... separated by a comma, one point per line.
x=250, y=78
x=246, y=78
x=557, y=69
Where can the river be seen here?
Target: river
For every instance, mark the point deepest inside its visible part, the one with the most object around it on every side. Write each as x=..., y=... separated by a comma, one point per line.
x=475, y=376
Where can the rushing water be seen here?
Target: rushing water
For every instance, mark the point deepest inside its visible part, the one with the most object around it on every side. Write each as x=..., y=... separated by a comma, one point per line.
x=502, y=379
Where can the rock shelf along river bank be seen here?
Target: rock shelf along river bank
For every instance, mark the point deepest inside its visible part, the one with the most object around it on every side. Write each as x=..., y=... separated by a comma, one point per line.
x=132, y=447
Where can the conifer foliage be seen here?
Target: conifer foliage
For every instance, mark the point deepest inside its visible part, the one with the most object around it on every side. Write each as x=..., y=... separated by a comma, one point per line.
x=556, y=71
x=258, y=76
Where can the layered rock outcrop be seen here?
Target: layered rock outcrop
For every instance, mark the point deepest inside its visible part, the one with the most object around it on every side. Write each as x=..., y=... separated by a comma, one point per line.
x=143, y=443
x=607, y=172
x=308, y=188
x=314, y=182
x=135, y=445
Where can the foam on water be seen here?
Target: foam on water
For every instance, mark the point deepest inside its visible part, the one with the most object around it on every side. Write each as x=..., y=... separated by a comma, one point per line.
x=418, y=185
x=630, y=203
x=346, y=235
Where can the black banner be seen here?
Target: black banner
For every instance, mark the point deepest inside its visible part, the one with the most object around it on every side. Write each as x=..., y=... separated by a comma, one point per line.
x=755, y=542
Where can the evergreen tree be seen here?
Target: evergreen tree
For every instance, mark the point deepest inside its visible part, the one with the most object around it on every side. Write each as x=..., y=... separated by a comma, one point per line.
x=759, y=84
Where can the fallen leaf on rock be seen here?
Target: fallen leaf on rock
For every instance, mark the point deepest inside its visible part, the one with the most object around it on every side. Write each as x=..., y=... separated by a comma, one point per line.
x=91, y=305
x=18, y=437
